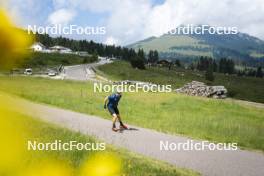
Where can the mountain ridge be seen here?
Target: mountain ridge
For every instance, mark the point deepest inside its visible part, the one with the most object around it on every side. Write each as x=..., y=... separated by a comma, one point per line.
x=240, y=46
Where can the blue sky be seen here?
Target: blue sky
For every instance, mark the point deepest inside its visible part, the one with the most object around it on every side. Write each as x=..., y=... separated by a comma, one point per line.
x=127, y=21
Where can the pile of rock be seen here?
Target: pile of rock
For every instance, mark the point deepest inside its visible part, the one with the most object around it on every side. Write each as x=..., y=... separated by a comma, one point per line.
x=196, y=88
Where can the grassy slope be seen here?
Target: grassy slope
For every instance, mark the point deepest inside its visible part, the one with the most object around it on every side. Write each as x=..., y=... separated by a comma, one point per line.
x=201, y=118
x=132, y=164
x=166, y=42
x=55, y=59
x=245, y=88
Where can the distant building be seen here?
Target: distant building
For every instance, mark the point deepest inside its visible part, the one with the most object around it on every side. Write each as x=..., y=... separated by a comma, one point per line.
x=82, y=53
x=164, y=62
x=38, y=47
x=60, y=49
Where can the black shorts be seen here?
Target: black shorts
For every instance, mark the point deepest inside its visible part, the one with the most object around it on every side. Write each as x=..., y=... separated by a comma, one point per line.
x=113, y=110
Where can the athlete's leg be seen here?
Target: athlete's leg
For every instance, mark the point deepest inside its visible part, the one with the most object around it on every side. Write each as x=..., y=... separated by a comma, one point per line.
x=120, y=121
x=115, y=117
x=118, y=116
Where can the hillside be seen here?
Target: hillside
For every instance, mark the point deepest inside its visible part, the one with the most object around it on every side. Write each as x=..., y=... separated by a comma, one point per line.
x=250, y=89
x=237, y=46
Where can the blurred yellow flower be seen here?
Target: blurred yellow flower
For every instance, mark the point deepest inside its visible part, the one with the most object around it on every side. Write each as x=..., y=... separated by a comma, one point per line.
x=102, y=164
x=49, y=168
x=12, y=143
x=14, y=42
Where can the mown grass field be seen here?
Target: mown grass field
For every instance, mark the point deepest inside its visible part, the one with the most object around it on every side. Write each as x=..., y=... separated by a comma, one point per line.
x=244, y=88
x=71, y=162
x=199, y=118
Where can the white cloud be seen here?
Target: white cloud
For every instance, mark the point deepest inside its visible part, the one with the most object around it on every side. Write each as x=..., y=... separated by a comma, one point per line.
x=247, y=15
x=132, y=20
x=17, y=9
x=61, y=16
x=111, y=41
x=128, y=21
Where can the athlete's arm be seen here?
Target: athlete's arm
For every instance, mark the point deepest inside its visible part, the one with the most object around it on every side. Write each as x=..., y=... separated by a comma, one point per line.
x=105, y=101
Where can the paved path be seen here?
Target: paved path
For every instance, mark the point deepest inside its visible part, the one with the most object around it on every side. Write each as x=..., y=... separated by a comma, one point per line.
x=78, y=72
x=246, y=103
x=83, y=72
x=147, y=142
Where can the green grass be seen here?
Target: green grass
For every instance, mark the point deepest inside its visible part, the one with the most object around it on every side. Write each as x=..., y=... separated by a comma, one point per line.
x=131, y=164
x=37, y=59
x=201, y=118
x=256, y=54
x=244, y=88
x=166, y=42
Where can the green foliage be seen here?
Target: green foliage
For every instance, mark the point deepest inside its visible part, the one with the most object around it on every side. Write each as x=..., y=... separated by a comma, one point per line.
x=209, y=74
x=210, y=65
x=139, y=60
x=55, y=59
x=153, y=56
x=94, y=57
x=204, y=63
x=259, y=73
x=178, y=63
x=226, y=66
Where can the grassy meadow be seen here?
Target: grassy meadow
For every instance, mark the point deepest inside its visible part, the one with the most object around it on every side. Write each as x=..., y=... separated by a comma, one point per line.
x=244, y=88
x=200, y=118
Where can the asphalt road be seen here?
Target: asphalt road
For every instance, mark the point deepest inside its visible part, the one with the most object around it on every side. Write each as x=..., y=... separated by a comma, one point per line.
x=78, y=72
x=82, y=72
x=147, y=142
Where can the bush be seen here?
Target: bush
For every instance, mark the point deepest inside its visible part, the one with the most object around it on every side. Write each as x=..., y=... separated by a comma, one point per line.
x=137, y=62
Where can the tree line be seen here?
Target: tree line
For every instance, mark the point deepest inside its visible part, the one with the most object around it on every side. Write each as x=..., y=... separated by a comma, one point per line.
x=224, y=65
x=252, y=72
x=136, y=58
